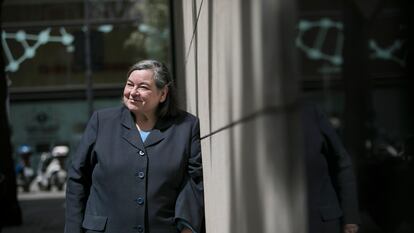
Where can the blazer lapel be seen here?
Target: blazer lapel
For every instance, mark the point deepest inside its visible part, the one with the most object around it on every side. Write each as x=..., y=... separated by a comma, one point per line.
x=129, y=131
x=154, y=137
x=159, y=132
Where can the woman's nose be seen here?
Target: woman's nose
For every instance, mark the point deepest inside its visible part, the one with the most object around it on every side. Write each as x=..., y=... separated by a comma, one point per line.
x=134, y=91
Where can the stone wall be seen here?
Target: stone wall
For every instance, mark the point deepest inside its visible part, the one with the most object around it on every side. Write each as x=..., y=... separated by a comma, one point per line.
x=236, y=67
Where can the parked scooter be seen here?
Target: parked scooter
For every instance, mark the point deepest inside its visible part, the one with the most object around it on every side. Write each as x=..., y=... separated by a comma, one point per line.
x=24, y=171
x=52, y=172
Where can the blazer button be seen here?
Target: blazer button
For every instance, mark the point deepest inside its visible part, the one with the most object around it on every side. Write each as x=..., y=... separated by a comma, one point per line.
x=140, y=228
x=140, y=200
x=141, y=175
x=141, y=153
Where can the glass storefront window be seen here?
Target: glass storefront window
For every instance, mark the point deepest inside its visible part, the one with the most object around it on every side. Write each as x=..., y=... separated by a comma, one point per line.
x=54, y=57
x=23, y=12
x=45, y=60
x=354, y=65
x=41, y=54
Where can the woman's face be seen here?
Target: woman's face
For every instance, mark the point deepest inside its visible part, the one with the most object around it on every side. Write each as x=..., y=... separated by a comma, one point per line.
x=141, y=95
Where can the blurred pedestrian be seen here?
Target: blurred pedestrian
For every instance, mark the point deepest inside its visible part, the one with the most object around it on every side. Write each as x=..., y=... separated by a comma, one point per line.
x=25, y=173
x=138, y=166
x=331, y=184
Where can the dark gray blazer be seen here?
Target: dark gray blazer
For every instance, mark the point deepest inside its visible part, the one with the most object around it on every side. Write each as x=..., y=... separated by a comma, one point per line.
x=117, y=183
x=331, y=185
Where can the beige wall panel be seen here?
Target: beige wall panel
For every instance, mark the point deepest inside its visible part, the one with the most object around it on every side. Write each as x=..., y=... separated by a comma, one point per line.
x=253, y=178
x=235, y=81
x=263, y=52
x=278, y=22
x=280, y=172
x=238, y=208
x=252, y=169
x=224, y=65
x=218, y=184
x=200, y=3
x=191, y=85
x=179, y=53
x=257, y=56
x=203, y=73
x=208, y=181
x=268, y=186
x=188, y=25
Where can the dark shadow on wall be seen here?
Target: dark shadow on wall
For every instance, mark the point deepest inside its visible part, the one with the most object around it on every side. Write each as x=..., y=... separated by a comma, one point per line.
x=178, y=50
x=247, y=208
x=385, y=179
x=376, y=120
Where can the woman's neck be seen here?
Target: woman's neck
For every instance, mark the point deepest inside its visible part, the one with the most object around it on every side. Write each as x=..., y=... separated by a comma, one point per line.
x=145, y=122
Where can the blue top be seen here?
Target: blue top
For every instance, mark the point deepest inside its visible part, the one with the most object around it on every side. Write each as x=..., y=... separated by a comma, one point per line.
x=144, y=134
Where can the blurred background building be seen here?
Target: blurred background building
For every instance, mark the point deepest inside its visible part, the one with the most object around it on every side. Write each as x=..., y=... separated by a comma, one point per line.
x=242, y=67
x=60, y=53
x=65, y=59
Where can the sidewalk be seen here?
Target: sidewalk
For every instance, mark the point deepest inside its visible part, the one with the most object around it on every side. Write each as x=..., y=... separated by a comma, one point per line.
x=43, y=212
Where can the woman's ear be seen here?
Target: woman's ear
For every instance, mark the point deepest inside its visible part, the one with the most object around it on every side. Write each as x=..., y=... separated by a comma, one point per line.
x=164, y=93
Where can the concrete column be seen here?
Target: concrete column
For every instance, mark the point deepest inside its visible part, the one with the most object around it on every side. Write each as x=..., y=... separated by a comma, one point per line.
x=241, y=81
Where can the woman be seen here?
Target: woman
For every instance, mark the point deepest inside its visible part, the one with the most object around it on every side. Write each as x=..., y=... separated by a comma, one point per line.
x=138, y=167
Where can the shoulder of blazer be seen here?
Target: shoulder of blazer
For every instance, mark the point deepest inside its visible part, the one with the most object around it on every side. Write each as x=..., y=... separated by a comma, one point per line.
x=186, y=118
x=182, y=118
x=110, y=113
x=189, y=117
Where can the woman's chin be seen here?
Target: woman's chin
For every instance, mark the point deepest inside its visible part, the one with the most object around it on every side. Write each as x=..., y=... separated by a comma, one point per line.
x=132, y=106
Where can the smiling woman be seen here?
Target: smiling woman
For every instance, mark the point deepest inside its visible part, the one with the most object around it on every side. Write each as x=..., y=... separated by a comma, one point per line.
x=139, y=165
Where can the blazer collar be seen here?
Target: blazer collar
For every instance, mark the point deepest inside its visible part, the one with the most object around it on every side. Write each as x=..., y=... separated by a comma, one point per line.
x=131, y=134
x=129, y=131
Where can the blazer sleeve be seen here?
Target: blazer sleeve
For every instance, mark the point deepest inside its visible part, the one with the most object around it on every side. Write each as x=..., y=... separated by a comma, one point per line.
x=189, y=206
x=341, y=170
x=79, y=178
